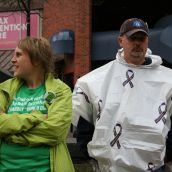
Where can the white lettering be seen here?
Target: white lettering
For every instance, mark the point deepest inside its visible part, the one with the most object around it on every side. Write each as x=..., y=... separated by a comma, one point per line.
x=3, y=35
x=13, y=27
x=3, y=20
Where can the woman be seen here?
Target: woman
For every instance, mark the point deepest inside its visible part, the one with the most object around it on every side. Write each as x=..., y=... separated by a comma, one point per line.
x=36, y=114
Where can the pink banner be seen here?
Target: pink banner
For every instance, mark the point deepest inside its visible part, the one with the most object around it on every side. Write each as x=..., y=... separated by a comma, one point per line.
x=13, y=27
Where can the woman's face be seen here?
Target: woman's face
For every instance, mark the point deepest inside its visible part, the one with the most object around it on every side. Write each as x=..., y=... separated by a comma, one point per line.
x=23, y=66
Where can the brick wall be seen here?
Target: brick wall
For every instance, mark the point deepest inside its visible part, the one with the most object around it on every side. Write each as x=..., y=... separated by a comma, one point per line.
x=74, y=15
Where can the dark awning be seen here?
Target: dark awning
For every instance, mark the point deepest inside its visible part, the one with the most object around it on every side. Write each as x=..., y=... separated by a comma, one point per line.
x=160, y=42
x=4, y=75
x=63, y=42
x=163, y=22
x=104, y=45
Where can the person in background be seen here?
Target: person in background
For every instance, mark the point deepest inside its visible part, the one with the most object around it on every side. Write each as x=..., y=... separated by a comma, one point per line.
x=35, y=113
x=122, y=109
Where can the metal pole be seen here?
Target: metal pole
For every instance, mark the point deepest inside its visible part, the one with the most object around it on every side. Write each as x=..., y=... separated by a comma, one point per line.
x=27, y=9
x=28, y=17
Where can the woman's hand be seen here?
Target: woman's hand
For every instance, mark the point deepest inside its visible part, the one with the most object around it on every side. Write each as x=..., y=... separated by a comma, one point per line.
x=1, y=111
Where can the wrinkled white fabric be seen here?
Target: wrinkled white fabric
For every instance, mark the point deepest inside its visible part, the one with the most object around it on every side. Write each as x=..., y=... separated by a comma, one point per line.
x=130, y=106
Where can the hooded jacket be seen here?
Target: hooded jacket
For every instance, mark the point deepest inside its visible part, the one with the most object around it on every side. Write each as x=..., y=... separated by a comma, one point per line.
x=130, y=107
x=33, y=129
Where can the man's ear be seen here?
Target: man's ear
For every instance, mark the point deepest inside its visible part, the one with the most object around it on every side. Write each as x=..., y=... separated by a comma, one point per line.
x=120, y=41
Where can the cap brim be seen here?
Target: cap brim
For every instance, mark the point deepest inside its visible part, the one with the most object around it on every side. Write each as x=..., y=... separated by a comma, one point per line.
x=131, y=32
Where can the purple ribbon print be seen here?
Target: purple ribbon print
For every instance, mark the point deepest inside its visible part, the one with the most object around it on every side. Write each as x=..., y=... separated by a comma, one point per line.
x=151, y=166
x=161, y=113
x=117, y=135
x=99, y=109
x=79, y=91
x=129, y=76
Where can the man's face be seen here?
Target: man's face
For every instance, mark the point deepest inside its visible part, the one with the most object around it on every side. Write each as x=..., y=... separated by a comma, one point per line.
x=135, y=47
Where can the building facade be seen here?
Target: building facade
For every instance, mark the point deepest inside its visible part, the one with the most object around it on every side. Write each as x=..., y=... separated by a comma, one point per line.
x=83, y=33
x=56, y=16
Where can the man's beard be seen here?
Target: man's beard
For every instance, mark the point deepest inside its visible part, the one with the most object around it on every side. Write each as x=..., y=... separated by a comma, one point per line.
x=137, y=54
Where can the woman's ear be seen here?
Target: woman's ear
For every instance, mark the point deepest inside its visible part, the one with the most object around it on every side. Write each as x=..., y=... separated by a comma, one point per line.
x=36, y=62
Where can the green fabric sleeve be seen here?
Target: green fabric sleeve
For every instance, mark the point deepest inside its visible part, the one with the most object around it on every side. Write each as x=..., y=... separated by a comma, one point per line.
x=3, y=101
x=55, y=128
x=17, y=123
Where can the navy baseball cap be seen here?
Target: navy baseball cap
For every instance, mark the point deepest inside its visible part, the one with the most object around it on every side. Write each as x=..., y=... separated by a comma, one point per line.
x=133, y=25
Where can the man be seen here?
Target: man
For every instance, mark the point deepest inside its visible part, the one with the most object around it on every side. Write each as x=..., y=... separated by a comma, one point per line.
x=129, y=103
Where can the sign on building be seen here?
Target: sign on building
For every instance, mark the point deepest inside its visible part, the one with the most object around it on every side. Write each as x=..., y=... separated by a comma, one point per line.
x=13, y=27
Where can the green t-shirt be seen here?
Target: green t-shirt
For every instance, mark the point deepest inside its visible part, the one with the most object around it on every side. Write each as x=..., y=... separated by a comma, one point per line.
x=19, y=158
